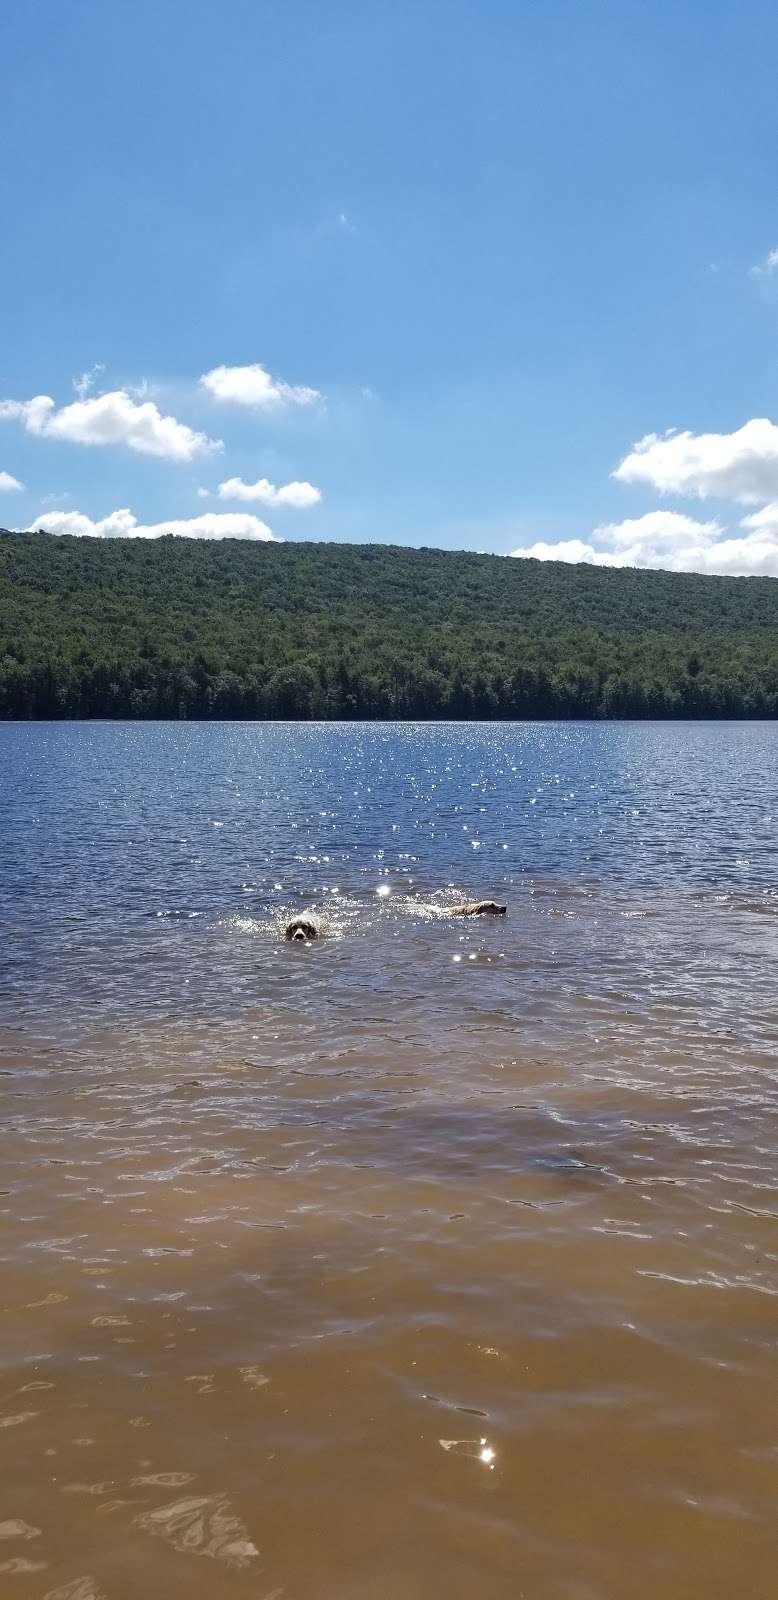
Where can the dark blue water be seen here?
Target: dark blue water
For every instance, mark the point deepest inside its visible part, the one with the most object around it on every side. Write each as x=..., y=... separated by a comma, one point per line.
x=129, y=851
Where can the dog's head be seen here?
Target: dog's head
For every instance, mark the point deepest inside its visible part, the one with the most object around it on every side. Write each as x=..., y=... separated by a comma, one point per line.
x=302, y=928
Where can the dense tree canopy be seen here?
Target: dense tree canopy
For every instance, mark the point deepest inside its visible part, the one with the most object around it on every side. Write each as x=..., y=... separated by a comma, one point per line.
x=179, y=627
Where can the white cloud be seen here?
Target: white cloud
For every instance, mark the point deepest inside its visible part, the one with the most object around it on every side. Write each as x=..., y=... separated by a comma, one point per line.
x=122, y=524
x=253, y=386
x=668, y=541
x=760, y=547
x=733, y=466
x=763, y=521
x=765, y=269
x=8, y=483
x=85, y=382
x=113, y=418
x=664, y=539
x=568, y=550
x=295, y=494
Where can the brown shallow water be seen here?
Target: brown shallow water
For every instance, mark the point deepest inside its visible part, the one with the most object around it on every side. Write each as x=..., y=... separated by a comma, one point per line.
x=431, y=1261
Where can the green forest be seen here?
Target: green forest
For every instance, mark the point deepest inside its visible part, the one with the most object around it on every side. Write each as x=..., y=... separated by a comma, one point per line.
x=181, y=628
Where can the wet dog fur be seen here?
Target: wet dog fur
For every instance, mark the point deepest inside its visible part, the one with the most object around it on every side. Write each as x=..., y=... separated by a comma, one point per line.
x=478, y=908
x=305, y=927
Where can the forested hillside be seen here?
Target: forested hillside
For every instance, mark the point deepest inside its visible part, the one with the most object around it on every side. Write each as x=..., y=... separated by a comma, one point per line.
x=179, y=627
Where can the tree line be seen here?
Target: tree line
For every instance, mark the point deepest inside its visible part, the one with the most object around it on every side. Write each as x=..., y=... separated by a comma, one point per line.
x=180, y=628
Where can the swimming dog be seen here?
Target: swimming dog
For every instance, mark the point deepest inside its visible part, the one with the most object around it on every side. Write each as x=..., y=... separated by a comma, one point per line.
x=478, y=908
x=304, y=927
x=307, y=926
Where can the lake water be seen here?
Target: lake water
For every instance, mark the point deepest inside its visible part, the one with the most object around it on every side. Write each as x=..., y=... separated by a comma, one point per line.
x=436, y=1258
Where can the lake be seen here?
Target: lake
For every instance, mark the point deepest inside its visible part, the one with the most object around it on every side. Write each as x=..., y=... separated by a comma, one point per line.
x=436, y=1258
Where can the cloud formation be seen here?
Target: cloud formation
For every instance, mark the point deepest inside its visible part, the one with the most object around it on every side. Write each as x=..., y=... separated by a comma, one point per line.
x=123, y=525
x=86, y=380
x=765, y=269
x=113, y=418
x=572, y=550
x=739, y=466
x=638, y=542
x=7, y=482
x=253, y=386
x=299, y=495
x=671, y=542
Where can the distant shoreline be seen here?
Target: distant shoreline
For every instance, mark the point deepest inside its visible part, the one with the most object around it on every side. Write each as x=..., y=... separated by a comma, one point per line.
x=175, y=629
x=392, y=722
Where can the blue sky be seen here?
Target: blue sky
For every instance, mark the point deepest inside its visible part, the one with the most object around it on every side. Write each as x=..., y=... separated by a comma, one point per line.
x=502, y=243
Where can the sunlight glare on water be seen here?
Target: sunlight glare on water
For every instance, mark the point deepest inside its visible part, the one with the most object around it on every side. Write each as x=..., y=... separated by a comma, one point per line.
x=435, y=1257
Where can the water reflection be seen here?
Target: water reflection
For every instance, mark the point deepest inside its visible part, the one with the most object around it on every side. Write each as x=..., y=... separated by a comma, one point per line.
x=201, y=1525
